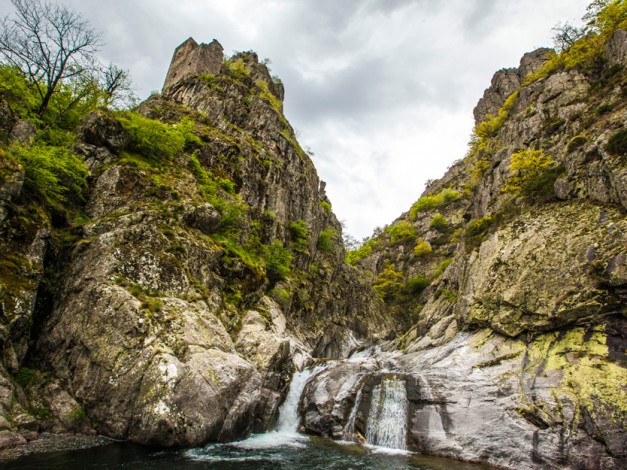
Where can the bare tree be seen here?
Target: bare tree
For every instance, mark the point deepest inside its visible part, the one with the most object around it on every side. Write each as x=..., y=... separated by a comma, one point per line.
x=566, y=35
x=49, y=43
x=117, y=86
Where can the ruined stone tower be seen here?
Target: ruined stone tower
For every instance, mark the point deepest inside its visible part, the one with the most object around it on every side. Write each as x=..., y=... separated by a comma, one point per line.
x=191, y=59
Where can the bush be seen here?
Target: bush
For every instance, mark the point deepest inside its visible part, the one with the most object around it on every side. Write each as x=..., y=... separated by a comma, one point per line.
x=53, y=174
x=478, y=226
x=326, y=240
x=442, y=267
x=617, y=143
x=14, y=89
x=402, y=231
x=427, y=203
x=417, y=284
x=439, y=223
x=353, y=256
x=278, y=261
x=422, y=248
x=299, y=233
x=237, y=69
x=152, y=138
x=532, y=174
x=266, y=95
x=388, y=283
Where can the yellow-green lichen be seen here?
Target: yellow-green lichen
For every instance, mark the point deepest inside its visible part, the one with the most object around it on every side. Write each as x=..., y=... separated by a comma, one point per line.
x=590, y=378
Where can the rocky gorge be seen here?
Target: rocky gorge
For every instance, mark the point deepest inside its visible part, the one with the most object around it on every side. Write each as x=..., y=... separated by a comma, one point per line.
x=202, y=265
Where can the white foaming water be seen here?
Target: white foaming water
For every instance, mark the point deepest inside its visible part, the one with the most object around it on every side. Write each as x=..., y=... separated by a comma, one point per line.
x=286, y=432
x=349, y=429
x=387, y=421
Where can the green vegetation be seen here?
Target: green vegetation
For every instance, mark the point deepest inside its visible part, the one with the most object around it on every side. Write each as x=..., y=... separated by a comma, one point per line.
x=326, y=240
x=422, y=248
x=266, y=95
x=326, y=206
x=237, y=69
x=354, y=256
x=586, y=52
x=388, y=283
x=26, y=377
x=617, y=143
x=53, y=174
x=212, y=81
x=402, y=231
x=478, y=226
x=442, y=267
x=417, y=284
x=299, y=234
x=427, y=203
x=439, y=223
x=532, y=174
x=15, y=90
x=278, y=261
x=149, y=299
x=489, y=128
x=484, y=144
x=151, y=138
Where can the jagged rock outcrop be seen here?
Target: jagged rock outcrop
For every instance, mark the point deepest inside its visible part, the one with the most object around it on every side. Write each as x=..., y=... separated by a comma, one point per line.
x=507, y=81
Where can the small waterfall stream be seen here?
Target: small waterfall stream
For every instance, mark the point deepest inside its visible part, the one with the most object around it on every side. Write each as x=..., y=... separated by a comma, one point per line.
x=288, y=412
x=286, y=430
x=349, y=429
x=387, y=421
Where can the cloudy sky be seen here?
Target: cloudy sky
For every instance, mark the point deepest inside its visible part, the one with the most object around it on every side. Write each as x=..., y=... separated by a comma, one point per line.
x=381, y=91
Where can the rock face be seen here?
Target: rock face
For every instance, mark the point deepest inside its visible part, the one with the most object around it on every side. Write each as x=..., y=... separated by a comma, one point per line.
x=542, y=269
x=485, y=397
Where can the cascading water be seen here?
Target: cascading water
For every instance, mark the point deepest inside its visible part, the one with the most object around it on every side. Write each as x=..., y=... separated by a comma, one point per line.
x=349, y=429
x=387, y=421
x=286, y=431
x=288, y=412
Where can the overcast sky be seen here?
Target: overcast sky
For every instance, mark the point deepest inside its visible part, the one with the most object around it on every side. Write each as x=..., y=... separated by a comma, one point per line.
x=381, y=91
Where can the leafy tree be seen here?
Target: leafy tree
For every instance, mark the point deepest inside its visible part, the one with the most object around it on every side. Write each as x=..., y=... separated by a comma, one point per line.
x=49, y=43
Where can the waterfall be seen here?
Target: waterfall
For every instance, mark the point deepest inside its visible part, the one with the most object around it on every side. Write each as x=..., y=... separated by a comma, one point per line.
x=288, y=412
x=286, y=431
x=387, y=421
x=349, y=429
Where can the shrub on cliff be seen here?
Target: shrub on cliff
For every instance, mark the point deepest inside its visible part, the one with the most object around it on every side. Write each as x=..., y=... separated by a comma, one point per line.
x=402, y=231
x=532, y=174
x=152, y=138
x=427, y=203
x=278, y=261
x=53, y=174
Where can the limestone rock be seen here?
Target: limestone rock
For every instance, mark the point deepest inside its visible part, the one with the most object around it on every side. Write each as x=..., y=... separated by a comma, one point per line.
x=102, y=130
x=7, y=121
x=616, y=48
x=23, y=131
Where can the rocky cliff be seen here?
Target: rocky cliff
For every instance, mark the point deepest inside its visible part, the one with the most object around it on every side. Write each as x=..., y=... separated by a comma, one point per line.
x=510, y=274
x=203, y=264
x=165, y=274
